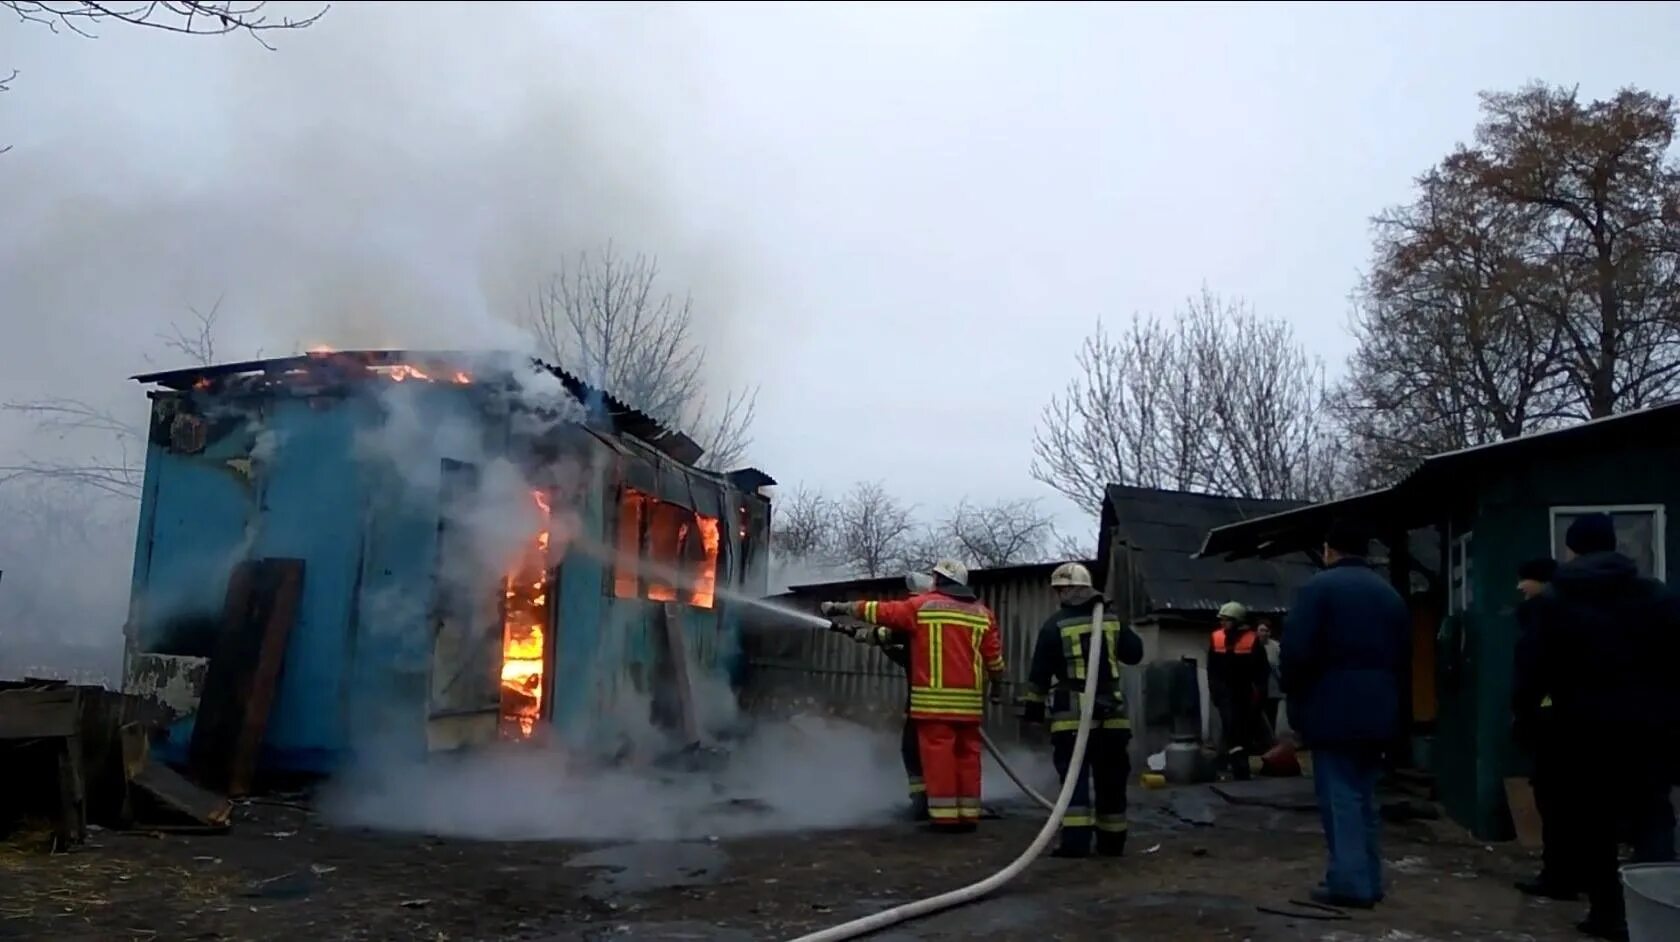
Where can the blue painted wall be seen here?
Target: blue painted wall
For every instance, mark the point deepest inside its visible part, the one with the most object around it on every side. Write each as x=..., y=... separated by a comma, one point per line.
x=285, y=476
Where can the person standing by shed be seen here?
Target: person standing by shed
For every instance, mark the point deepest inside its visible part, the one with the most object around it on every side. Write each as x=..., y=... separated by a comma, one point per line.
x=1274, y=673
x=1344, y=660
x=1236, y=666
x=1605, y=644
x=1534, y=731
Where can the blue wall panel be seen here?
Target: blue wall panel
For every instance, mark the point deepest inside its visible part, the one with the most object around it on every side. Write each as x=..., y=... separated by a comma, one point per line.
x=312, y=509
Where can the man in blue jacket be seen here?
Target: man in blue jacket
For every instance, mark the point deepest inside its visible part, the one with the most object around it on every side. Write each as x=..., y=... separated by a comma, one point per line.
x=1345, y=659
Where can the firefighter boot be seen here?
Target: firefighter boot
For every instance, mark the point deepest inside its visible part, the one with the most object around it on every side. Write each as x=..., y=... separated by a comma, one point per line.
x=918, y=808
x=1111, y=843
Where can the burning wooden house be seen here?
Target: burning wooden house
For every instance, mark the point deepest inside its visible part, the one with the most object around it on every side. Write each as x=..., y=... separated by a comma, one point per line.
x=467, y=560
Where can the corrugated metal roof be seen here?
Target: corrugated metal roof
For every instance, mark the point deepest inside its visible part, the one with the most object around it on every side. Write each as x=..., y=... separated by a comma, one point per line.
x=351, y=363
x=976, y=579
x=1416, y=501
x=1162, y=530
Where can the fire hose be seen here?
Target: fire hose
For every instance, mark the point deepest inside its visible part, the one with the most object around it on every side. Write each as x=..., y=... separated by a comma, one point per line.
x=978, y=889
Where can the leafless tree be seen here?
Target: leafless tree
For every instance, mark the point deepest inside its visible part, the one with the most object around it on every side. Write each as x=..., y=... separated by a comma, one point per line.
x=925, y=546
x=117, y=471
x=175, y=16
x=1006, y=533
x=1221, y=400
x=874, y=528
x=805, y=524
x=606, y=319
x=115, y=464
x=196, y=341
x=1075, y=548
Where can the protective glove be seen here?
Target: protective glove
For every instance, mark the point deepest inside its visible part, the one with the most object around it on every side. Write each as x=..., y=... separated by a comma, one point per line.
x=834, y=608
x=864, y=635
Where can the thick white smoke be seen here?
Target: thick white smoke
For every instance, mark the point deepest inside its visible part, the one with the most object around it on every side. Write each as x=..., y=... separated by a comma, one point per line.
x=395, y=176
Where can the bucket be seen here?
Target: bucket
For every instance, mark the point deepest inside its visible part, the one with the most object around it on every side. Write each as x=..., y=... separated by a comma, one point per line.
x=1652, y=894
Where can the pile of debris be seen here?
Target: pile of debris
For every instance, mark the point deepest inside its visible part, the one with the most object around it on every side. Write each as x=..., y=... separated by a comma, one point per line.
x=76, y=755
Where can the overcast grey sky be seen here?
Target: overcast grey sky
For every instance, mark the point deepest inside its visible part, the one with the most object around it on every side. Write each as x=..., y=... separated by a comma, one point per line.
x=899, y=220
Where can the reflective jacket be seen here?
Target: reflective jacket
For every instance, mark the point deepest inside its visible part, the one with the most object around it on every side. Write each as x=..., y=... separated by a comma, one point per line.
x=1238, y=669
x=953, y=642
x=1058, y=673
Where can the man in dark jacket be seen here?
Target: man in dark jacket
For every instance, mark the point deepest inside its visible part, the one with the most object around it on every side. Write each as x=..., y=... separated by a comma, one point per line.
x=1057, y=680
x=1534, y=733
x=1605, y=644
x=1345, y=659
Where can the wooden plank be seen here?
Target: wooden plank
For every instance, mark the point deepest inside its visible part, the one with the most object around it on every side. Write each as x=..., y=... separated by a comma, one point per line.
x=1525, y=812
x=174, y=792
x=71, y=827
x=678, y=664
x=240, y=683
x=37, y=714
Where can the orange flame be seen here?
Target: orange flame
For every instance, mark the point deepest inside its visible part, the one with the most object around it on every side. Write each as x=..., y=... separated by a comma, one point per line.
x=705, y=581
x=524, y=613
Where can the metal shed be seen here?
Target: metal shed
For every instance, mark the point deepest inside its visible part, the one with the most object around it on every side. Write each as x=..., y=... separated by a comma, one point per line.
x=412, y=632
x=1489, y=508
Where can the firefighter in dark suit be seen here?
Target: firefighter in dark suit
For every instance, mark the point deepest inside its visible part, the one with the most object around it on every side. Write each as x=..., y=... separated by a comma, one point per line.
x=1055, y=686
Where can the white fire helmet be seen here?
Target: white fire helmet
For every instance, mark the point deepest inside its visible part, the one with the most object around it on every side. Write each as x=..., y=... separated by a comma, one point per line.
x=1235, y=611
x=918, y=582
x=1068, y=575
x=952, y=570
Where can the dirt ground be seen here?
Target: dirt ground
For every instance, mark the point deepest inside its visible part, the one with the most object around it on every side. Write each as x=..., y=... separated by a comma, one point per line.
x=281, y=875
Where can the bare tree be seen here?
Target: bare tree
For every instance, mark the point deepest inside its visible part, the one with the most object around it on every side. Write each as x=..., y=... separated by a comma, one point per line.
x=1075, y=548
x=873, y=529
x=1222, y=400
x=117, y=472
x=804, y=524
x=606, y=319
x=1006, y=533
x=924, y=547
x=197, y=341
x=116, y=465
x=175, y=16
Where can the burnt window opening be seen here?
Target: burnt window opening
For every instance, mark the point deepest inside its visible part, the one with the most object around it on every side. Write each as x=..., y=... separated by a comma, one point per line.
x=665, y=552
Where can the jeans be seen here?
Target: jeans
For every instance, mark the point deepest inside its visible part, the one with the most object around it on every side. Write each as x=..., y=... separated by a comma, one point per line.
x=1345, y=781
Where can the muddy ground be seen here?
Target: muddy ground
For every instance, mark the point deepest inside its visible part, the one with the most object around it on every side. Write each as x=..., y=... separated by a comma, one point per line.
x=282, y=875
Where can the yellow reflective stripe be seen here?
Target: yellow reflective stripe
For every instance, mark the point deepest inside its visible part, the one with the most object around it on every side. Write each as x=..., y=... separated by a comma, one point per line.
x=1111, y=823
x=1063, y=726
x=917, y=788
x=955, y=693
x=944, y=703
x=1077, y=821
x=936, y=656
x=995, y=665
x=1118, y=722
x=870, y=609
x=1032, y=695
x=949, y=617
x=944, y=814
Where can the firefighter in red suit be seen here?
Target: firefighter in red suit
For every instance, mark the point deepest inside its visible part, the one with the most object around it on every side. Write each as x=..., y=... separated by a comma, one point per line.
x=954, y=648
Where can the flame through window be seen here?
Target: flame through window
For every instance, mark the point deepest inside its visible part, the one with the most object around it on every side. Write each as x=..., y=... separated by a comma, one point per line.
x=524, y=616
x=676, y=541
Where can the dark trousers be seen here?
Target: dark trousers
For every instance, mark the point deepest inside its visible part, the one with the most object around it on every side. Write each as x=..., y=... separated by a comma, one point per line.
x=1345, y=781
x=1237, y=724
x=1556, y=870
x=909, y=750
x=1603, y=804
x=1104, y=773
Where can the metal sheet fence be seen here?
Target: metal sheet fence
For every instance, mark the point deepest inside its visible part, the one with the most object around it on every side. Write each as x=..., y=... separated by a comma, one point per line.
x=797, y=668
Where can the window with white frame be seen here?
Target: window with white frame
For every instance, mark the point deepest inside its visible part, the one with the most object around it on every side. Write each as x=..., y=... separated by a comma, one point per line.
x=1459, y=593
x=1640, y=530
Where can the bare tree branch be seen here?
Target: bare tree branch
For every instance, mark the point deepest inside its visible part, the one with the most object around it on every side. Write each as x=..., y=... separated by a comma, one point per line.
x=1220, y=401
x=176, y=16
x=922, y=548
x=1006, y=533
x=605, y=319
x=804, y=525
x=198, y=346
x=873, y=529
